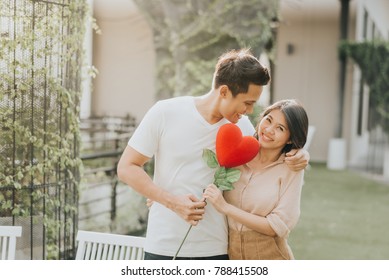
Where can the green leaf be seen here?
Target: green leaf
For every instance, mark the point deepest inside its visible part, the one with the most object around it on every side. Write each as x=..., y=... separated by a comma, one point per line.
x=232, y=175
x=221, y=178
x=223, y=185
x=220, y=173
x=210, y=158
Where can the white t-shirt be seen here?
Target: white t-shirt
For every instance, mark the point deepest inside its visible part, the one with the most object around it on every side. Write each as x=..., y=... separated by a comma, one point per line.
x=175, y=133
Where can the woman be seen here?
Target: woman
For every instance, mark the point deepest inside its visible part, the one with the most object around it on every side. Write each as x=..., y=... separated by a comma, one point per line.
x=265, y=204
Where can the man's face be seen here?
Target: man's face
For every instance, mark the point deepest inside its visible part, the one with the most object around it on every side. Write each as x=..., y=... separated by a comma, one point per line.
x=233, y=108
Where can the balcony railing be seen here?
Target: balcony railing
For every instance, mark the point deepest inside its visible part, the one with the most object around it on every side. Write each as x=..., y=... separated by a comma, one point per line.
x=105, y=204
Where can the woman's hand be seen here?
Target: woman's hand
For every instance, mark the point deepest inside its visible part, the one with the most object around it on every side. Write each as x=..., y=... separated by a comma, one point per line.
x=215, y=196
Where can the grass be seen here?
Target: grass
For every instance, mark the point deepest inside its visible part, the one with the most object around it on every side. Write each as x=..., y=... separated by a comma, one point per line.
x=344, y=216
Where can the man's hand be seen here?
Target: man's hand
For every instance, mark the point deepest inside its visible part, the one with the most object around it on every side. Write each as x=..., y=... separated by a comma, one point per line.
x=189, y=207
x=297, y=159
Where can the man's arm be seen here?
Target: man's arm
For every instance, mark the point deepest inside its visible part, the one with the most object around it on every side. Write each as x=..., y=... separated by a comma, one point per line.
x=130, y=171
x=297, y=159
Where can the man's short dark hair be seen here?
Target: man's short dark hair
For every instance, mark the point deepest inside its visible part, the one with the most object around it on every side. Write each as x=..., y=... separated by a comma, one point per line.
x=237, y=69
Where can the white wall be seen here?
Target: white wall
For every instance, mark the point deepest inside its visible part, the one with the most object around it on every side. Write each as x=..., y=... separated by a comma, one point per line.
x=378, y=11
x=86, y=99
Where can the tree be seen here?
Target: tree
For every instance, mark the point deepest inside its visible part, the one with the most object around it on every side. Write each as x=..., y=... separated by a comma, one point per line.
x=190, y=35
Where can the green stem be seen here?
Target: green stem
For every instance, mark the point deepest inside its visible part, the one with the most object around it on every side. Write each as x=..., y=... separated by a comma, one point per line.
x=186, y=235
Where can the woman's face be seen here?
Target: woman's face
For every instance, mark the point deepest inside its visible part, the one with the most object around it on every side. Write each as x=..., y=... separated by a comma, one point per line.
x=273, y=131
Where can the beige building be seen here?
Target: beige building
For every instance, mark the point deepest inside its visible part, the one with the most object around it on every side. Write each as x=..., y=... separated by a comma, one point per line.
x=307, y=68
x=124, y=56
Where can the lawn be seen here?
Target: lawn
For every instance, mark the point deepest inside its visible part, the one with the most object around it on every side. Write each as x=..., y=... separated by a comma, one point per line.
x=344, y=216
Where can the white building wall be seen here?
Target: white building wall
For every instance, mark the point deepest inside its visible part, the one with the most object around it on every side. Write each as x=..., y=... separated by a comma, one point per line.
x=86, y=99
x=378, y=11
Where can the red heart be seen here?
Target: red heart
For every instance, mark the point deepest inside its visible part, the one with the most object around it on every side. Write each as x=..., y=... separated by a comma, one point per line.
x=233, y=149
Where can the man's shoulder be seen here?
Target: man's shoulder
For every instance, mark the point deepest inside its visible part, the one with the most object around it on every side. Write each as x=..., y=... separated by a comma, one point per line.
x=174, y=100
x=173, y=105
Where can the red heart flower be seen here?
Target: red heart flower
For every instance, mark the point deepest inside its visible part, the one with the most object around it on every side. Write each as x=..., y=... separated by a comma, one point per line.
x=233, y=149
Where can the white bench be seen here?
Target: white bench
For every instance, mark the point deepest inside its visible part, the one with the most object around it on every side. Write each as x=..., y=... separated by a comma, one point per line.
x=108, y=246
x=8, y=236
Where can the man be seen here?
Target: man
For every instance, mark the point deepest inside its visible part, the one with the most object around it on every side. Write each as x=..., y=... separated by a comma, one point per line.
x=176, y=131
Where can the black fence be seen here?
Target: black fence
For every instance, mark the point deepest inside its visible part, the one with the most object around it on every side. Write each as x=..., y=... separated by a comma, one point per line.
x=106, y=204
x=40, y=78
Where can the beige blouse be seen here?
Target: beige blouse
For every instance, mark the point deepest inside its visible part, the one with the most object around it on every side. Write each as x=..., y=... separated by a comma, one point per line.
x=273, y=192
